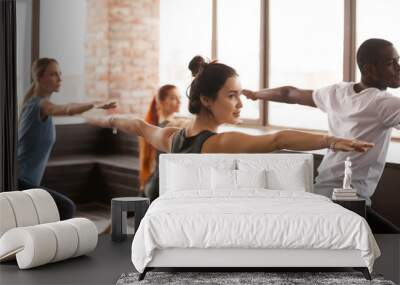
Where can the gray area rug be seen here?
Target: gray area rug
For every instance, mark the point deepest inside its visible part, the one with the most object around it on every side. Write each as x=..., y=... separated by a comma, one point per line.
x=270, y=278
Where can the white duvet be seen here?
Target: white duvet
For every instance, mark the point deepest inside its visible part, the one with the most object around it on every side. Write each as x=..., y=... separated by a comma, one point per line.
x=250, y=219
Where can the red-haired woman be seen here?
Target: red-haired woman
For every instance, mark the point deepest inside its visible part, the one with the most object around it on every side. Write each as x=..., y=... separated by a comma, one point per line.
x=161, y=113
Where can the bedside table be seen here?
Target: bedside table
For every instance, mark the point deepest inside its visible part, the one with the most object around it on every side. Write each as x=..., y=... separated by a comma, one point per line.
x=357, y=206
x=119, y=208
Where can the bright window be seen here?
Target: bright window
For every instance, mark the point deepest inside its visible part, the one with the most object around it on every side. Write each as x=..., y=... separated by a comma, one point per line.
x=384, y=14
x=306, y=51
x=185, y=31
x=62, y=36
x=238, y=45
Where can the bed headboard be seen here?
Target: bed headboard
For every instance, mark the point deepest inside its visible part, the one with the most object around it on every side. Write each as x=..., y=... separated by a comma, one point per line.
x=286, y=167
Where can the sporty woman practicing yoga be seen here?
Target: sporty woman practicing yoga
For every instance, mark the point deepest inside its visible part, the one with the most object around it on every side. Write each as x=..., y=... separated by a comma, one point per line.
x=37, y=133
x=161, y=112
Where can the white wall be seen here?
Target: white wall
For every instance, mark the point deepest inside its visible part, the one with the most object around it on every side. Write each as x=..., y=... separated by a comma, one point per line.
x=24, y=44
x=62, y=36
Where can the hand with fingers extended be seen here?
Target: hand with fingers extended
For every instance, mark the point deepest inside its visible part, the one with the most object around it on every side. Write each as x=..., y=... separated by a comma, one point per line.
x=250, y=94
x=340, y=144
x=105, y=105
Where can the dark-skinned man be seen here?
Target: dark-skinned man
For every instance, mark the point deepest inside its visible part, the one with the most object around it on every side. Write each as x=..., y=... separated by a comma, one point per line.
x=362, y=110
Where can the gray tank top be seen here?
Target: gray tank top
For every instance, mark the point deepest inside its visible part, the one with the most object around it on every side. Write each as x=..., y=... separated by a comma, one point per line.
x=35, y=142
x=183, y=144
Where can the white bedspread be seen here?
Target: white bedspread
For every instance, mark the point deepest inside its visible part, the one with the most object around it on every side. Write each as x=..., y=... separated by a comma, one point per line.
x=250, y=219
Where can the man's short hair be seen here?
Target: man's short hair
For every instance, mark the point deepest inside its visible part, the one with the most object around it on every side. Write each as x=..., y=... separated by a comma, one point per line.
x=368, y=52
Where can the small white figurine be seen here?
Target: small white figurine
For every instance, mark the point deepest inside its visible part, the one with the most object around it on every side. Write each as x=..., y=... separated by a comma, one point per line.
x=347, y=174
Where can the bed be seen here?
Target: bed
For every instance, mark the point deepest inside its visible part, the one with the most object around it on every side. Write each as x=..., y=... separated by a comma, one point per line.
x=247, y=210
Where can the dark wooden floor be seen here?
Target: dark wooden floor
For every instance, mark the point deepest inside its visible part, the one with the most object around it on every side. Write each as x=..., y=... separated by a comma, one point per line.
x=102, y=266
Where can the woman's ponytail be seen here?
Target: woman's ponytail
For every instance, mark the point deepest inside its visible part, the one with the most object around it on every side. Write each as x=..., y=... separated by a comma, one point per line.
x=28, y=95
x=147, y=153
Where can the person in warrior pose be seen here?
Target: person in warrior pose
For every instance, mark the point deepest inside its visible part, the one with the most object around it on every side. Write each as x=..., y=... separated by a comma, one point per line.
x=36, y=131
x=161, y=113
x=363, y=110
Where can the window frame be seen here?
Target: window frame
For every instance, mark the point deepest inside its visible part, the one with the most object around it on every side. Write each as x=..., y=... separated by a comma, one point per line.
x=349, y=43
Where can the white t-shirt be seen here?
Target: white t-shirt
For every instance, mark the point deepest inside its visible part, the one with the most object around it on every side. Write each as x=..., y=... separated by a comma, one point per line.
x=369, y=116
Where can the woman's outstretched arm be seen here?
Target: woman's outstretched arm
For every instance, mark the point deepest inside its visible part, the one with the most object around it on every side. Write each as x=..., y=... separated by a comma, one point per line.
x=50, y=109
x=236, y=142
x=160, y=138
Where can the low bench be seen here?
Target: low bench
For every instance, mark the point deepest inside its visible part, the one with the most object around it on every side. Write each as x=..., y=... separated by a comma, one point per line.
x=90, y=164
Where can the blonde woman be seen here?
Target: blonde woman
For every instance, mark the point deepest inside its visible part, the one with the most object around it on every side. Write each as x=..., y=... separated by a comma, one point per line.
x=36, y=131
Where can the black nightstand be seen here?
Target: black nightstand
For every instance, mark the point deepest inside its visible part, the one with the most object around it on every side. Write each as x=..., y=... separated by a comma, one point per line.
x=357, y=206
x=119, y=208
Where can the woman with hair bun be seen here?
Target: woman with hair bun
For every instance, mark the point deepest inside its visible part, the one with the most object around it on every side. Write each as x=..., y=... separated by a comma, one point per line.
x=214, y=99
x=36, y=131
x=160, y=113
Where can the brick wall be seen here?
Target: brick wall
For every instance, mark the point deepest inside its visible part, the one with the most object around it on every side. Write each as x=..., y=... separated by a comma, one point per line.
x=122, y=52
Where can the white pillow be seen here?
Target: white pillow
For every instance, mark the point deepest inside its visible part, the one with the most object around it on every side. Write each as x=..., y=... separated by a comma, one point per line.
x=223, y=179
x=251, y=178
x=292, y=179
x=226, y=179
x=188, y=177
x=281, y=174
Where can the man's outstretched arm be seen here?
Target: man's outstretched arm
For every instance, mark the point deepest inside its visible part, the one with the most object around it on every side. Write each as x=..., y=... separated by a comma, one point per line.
x=285, y=94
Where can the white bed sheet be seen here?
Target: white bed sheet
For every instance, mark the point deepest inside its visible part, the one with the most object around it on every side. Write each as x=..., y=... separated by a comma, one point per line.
x=252, y=218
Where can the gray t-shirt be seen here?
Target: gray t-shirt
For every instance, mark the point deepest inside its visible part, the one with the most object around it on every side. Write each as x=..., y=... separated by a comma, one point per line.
x=36, y=138
x=369, y=116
